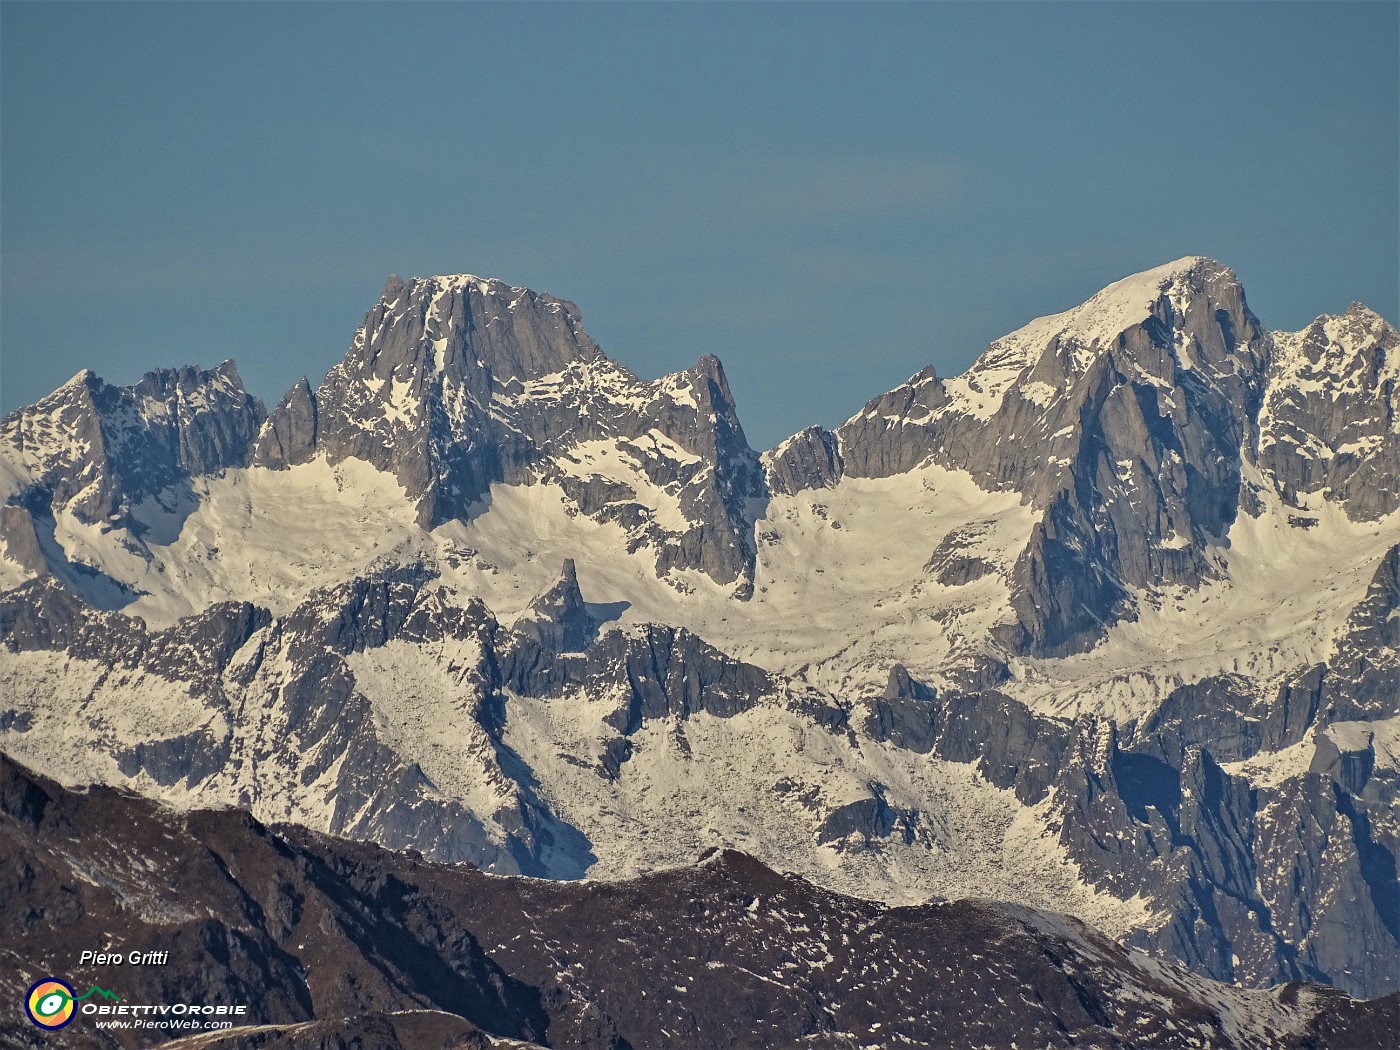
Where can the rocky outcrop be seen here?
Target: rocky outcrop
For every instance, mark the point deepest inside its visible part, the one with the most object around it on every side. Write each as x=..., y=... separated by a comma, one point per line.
x=901, y=686
x=658, y=672
x=897, y=431
x=810, y=459
x=557, y=618
x=453, y=384
x=1363, y=675
x=1011, y=746
x=289, y=434
x=955, y=563
x=864, y=822
x=97, y=451
x=1330, y=422
x=19, y=540
x=1231, y=864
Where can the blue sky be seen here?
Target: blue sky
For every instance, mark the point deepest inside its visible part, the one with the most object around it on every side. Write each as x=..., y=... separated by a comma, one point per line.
x=827, y=197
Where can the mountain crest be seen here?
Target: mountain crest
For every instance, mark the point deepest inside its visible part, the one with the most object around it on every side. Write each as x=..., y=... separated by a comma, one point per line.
x=471, y=329
x=1110, y=312
x=1330, y=421
x=1125, y=422
x=890, y=710
x=453, y=384
x=1122, y=420
x=1175, y=304
x=99, y=450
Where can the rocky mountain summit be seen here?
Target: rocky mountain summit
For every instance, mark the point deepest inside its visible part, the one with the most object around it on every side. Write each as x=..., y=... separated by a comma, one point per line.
x=453, y=384
x=337, y=944
x=97, y=451
x=1126, y=422
x=1109, y=625
x=1313, y=439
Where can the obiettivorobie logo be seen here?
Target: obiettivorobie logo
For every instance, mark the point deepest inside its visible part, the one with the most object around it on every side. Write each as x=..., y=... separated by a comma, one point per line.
x=51, y=1003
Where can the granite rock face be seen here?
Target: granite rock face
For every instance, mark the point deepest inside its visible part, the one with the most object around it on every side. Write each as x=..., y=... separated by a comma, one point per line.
x=1331, y=420
x=453, y=384
x=810, y=459
x=289, y=434
x=97, y=450
x=1362, y=679
x=1231, y=864
x=557, y=618
x=1123, y=421
x=21, y=540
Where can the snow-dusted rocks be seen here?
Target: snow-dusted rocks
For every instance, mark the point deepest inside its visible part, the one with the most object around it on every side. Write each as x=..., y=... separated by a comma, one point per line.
x=557, y=619
x=1086, y=628
x=810, y=459
x=97, y=450
x=1122, y=421
x=99, y=455
x=453, y=384
x=101, y=459
x=1330, y=424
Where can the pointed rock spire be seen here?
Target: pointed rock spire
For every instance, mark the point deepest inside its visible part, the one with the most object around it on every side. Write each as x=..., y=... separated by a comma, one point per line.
x=902, y=687
x=289, y=435
x=557, y=617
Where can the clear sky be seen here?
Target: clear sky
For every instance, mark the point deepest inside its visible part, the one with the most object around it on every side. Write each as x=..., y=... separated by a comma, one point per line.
x=827, y=197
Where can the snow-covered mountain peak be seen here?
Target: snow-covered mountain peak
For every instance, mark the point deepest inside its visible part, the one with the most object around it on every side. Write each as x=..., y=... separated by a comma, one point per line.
x=454, y=384
x=1050, y=352
x=81, y=379
x=1132, y=299
x=1139, y=397
x=462, y=323
x=88, y=400
x=1108, y=313
x=514, y=295
x=1358, y=350
x=169, y=393
x=1362, y=313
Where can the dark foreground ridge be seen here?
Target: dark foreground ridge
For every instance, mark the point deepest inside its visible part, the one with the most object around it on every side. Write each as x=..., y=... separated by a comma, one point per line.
x=334, y=944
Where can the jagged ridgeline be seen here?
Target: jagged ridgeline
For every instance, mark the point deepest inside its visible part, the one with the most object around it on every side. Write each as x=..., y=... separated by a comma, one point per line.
x=1107, y=625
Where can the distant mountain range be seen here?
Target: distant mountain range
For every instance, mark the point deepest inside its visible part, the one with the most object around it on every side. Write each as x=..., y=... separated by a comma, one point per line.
x=1109, y=625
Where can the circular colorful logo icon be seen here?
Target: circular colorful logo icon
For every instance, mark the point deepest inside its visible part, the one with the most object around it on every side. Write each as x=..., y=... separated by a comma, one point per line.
x=50, y=1003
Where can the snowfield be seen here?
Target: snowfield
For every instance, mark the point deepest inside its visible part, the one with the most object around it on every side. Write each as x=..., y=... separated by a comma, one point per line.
x=842, y=591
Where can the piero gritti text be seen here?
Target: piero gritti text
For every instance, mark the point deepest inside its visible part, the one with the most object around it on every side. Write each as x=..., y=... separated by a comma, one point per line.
x=93, y=958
